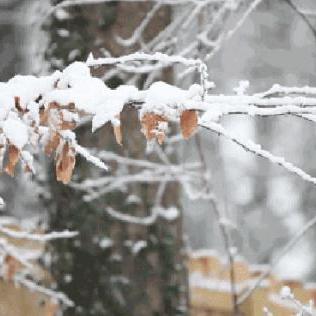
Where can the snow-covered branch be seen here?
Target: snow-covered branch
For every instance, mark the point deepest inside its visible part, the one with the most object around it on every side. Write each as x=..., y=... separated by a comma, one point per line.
x=37, y=237
x=144, y=57
x=34, y=287
x=257, y=150
x=46, y=110
x=19, y=252
x=290, y=244
x=157, y=212
x=287, y=295
x=69, y=3
x=166, y=40
x=96, y=188
x=7, y=249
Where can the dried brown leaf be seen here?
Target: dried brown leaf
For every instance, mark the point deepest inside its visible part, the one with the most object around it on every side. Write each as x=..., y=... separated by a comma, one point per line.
x=54, y=105
x=44, y=113
x=51, y=309
x=188, y=123
x=161, y=138
x=18, y=104
x=13, y=158
x=27, y=169
x=65, y=163
x=118, y=134
x=151, y=126
x=52, y=144
x=2, y=153
x=12, y=266
x=66, y=125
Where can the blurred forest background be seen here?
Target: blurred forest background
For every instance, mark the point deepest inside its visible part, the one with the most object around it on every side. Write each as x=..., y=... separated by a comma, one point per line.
x=118, y=268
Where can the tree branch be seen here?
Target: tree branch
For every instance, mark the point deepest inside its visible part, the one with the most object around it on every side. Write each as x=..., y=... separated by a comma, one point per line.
x=302, y=16
x=294, y=240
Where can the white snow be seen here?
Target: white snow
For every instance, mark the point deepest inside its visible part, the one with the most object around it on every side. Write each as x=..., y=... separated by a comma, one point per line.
x=112, y=105
x=94, y=160
x=16, y=131
x=285, y=292
x=92, y=97
x=105, y=243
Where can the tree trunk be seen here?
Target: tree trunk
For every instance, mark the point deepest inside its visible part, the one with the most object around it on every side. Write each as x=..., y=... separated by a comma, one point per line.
x=101, y=270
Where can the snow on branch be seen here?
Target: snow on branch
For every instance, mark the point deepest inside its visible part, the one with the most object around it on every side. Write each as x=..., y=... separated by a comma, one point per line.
x=44, y=112
x=287, y=295
x=210, y=35
x=37, y=237
x=136, y=36
x=34, y=287
x=257, y=150
x=278, y=89
x=19, y=252
x=94, y=160
x=69, y=3
x=163, y=60
x=101, y=186
x=7, y=249
x=144, y=172
x=168, y=214
x=156, y=57
x=227, y=35
x=276, y=260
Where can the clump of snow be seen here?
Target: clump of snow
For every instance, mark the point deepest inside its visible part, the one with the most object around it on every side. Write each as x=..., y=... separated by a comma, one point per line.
x=112, y=104
x=6, y=100
x=243, y=86
x=33, y=113
x=170, y=214
x=136, y=246
x=29, y=88
x=62, y=14
x=73, y=74
x=28, y=160
x=63, y=33
x=2, y=203
x=201, y=253
x=16, y=132
x=132, y=198
x=77, y=86
x=164, y=99
x=85, y=153
x=197, y=280
x=285, y=292
x=105, y=243
x=67, y=278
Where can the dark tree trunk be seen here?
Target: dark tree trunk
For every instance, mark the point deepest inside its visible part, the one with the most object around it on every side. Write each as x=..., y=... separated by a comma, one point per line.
x=108, y=278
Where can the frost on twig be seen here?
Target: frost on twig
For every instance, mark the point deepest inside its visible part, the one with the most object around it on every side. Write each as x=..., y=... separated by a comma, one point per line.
x=302, y=310
x=257, y=150
x=169, y=214
x=37, y=237
x=19, y=252
x=45, y=111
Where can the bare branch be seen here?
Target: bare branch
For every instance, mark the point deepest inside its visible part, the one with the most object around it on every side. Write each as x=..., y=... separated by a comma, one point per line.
x=294, y=240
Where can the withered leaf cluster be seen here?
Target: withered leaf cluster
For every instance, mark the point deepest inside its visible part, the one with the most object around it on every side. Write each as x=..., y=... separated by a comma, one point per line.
x=57, y=119
x=154, y=126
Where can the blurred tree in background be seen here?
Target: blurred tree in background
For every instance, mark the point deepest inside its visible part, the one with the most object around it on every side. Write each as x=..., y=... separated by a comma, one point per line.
x=113, y=267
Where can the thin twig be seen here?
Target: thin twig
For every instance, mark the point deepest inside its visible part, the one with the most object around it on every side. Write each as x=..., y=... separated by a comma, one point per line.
x=229, y=34
x=258, y=151
x=302, y=15
x=293, y=241
x=223, y=230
